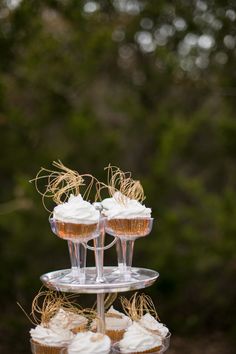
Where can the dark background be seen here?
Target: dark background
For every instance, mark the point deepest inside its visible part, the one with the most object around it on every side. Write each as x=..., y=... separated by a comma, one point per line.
x=149, y=86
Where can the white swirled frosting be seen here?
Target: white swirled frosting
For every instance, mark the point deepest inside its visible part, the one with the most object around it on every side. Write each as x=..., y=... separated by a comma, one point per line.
x=90, y=343
x=56, y=337
x=149, y=322
x=66, y=319
x=76, y=210
x=138, y=338
x=127, y=209
x=117, y=323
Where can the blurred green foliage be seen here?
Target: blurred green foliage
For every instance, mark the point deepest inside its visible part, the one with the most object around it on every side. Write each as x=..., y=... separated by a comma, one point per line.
x=149, y=86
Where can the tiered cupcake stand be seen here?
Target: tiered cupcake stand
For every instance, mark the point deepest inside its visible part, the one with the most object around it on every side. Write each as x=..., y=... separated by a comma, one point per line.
x=99, y=280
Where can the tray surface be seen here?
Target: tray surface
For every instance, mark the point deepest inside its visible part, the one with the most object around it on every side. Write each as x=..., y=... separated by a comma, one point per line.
x=64, y=280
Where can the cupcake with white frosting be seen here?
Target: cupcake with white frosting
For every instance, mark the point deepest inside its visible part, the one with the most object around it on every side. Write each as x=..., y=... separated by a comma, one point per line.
x=64, y=318
x=50, y=340
x=115, y=323
x=75, y=219
x=126, y=216
x=90, y=343
x=140, y=339
x=149, y=322
x=146, y=334
x=56, y=321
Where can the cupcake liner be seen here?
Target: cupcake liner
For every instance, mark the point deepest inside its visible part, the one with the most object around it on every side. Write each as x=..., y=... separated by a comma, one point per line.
x=38, y=348
x=71, y=230
x=129, y=227
x=156, y=350
x=153, y=350
x=115, y=335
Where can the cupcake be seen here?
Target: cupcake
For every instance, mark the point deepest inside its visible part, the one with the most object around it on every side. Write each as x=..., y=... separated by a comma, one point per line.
x=126, y=216
x=149, y=322
x=75, y=218
x=140, y=339
x=55, y=318
x=90, y=343
x=116, y=323
x=67, y=319
x=146, y=334
x=49, y=341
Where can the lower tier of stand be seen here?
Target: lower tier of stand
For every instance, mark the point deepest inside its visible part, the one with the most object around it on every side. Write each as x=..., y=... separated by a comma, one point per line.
x=113, y=281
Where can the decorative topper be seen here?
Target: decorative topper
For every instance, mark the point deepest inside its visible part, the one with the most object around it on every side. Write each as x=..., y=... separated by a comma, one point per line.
x=138, y=305
x=47, y=303
x=119, y=181
x=62, y=183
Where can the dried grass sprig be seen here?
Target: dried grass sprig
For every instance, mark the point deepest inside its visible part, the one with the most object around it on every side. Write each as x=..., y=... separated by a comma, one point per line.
x=138, y=305
x=47, y=303
x=109, y=300
x=89, y=313
x=119, y=181
x=62, y=182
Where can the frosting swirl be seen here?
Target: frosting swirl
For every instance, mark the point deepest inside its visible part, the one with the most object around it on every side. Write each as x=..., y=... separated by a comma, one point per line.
x=128, y=209
x=114, y=320
x=53, y=337
x=76, y=210
x=149, y=322
x=139, y=339
x=67, y=320
x=90, y=343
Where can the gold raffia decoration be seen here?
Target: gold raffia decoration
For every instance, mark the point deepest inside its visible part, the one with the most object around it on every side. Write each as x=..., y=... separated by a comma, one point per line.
x=61, y=183
x=47, y=303
x=119, y=181
x=138, y=305
x=109, y=300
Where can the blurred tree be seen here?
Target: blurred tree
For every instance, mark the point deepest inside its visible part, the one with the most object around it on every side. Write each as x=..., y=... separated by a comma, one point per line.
x=149, y=86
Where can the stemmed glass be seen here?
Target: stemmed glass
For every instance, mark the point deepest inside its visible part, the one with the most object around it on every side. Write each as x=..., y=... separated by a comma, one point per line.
x=77, y=236
x=166, y=341
x=127, y=231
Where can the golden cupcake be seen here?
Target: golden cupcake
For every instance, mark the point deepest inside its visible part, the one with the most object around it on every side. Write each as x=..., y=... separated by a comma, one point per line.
x=116, y=324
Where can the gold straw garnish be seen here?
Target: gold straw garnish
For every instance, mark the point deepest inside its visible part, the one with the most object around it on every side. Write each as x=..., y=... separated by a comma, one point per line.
x=47, y=303
x=138, y=305
x=108, y=301
x=119, y=181
x=61, y=183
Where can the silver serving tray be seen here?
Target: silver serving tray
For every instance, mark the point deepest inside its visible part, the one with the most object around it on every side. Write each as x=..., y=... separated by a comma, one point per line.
x=64, y=280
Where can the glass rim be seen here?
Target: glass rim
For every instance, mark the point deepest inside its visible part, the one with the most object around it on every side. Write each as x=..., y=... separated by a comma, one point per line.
x=132, y=218
x=115, y=347
x=52, y=219
x=34, y=342
x=168, y=335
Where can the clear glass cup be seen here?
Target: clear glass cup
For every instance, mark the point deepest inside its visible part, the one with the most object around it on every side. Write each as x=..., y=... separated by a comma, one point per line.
x=37, y=348
x=127, y=231
x=166, y=341
x=116, y=350
x=77, y=236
